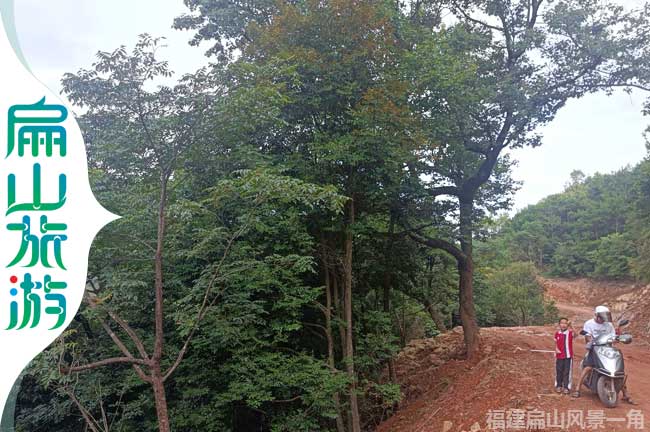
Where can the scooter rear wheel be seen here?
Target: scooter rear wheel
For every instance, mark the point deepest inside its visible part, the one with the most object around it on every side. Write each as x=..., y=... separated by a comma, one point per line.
x=607, y=391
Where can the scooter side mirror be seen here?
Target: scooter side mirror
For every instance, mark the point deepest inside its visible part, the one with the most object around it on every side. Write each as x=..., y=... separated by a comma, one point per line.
x=623, y=322
x=625, y=338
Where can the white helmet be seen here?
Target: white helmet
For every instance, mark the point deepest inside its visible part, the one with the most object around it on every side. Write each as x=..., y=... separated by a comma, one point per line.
x=604, y=313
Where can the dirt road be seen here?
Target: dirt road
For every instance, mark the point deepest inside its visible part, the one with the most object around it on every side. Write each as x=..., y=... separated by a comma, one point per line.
x=513, y=385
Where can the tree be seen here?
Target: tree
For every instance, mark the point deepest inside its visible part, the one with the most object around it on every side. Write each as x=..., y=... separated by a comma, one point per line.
x=612, y=257
x=639, y=223
x=516, y=296
x=161, y=127
x=517, y=64
x=347, y=123
x=577, y=177
x=140, y=145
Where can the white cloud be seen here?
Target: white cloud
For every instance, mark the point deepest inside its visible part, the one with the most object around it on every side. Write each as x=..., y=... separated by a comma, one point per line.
x=594, y=134
x=59, y=36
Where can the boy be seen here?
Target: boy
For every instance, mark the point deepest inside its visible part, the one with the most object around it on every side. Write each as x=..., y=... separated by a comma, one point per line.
x=564, y=356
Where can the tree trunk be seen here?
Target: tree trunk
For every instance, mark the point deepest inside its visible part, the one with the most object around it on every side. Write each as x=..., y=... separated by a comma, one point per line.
x=433, y=311
x=338, y=304
x=466, y=276
x=338, y=296
x=388, y=250
x=387, y=282
x=349, y=347
x=435, y=316
x=340, y=427
x=156, y=375
x=160, y=399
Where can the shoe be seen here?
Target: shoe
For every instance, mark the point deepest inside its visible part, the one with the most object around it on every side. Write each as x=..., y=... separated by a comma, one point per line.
x=629, y=400
x=558, y=389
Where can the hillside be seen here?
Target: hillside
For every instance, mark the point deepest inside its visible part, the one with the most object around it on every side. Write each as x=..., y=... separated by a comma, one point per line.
x=597, y=227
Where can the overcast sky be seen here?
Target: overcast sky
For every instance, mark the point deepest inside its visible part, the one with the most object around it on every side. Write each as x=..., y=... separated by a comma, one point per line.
x=593, y=134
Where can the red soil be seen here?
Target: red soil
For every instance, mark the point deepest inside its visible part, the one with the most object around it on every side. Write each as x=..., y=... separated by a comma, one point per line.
x=443, y=392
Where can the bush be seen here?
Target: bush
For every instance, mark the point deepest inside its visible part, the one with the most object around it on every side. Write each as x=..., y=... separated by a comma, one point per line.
x=514, y=296
x=574, y=259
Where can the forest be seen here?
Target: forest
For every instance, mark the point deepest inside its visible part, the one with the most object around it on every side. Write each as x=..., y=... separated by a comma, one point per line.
x=330, y=185
x=597, y=227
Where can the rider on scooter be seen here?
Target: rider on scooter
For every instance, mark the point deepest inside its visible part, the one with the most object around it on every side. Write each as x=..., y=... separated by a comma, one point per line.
x=599, y=325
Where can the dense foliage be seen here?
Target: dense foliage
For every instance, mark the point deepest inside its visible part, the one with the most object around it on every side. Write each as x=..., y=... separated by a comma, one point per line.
x=294, y=213
x=596, y=228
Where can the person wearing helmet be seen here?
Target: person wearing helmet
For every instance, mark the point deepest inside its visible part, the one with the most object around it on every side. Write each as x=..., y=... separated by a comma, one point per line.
x=599, y=325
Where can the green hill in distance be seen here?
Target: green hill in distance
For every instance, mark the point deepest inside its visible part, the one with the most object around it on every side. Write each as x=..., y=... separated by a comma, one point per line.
x=599, y=227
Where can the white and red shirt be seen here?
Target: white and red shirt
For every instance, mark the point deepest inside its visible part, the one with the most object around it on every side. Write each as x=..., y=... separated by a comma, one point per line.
x=564, y=343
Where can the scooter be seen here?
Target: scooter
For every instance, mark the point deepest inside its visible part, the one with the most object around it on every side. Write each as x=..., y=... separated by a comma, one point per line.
x=607, y=377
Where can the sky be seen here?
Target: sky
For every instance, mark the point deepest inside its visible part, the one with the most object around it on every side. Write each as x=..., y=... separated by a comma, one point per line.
x=594, y=134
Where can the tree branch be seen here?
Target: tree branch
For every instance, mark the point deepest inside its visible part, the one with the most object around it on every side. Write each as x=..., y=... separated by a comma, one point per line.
x=88, y=417
x=624, y=85
x=105, y=362
x=468, y=17
x=125, y=326
x=117, y=341
x=159, y=334
x=485, y=170
x=444, y=190
x=204, y=305
x=129, y=331
x=436, y=243
x=418, y=228
x=532, y=19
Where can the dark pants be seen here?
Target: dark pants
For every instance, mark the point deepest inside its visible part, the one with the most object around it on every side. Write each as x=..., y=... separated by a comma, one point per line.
x=589, y=359
x=563, y=369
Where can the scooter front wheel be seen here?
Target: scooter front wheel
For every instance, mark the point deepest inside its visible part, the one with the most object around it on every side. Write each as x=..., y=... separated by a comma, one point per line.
x=607, y=391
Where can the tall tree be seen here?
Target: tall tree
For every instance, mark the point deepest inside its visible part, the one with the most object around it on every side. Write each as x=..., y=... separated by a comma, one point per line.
x=161, y=126
x=347, y=123
x=514, y=64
